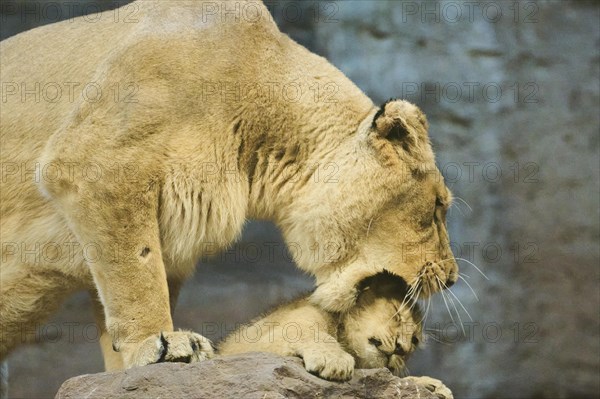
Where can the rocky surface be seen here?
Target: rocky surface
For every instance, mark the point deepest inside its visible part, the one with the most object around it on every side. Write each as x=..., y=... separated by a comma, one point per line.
x=252, y=375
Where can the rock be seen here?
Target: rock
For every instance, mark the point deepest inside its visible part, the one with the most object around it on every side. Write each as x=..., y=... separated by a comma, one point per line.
x=249, y=375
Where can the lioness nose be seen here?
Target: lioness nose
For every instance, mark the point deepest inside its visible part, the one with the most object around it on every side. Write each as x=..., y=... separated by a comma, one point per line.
x=450, y=282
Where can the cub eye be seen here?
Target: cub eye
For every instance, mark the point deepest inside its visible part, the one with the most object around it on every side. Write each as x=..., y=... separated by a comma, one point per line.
x=374, y=341
x=415, y=341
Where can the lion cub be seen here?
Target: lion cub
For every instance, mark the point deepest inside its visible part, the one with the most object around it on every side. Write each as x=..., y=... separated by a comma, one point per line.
x=379, y=331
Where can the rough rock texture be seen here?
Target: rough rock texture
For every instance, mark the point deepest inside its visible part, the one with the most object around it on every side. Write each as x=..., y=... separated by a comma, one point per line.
x=252, y=375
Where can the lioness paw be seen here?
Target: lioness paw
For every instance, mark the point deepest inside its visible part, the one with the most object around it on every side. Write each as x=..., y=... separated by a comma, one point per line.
x=334, y=365
x=436, y=387
x=175, y=346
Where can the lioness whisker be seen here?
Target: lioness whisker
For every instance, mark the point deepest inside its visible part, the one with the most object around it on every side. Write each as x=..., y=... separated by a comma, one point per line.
x=414, y=302
x=455, y=205
x=411, y=290
x=427, y=309
x=460, y=322
x=424, y=318
x=432, y=336
x=418, y=286
x=461, y=305
x=407, y=298
x=413, y=285
x=446, y=260
x=411, y=296
x=369, y=226
x=455, y=309
x=469, y=285
x=464, y=202
x=446, y=303
x=474, y=265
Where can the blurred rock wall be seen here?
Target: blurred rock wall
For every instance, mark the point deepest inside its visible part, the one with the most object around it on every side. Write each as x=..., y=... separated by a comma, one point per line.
x=511, y=91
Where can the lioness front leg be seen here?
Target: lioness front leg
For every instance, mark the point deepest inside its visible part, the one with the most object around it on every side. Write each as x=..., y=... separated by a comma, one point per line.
x=171, y=347
x=132, y=287
x=118, y=227
x=135, y=298
x=174, y=346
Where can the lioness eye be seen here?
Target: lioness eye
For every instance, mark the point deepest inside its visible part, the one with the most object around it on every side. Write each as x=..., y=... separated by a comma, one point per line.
x=415, y=341
x=375, y=341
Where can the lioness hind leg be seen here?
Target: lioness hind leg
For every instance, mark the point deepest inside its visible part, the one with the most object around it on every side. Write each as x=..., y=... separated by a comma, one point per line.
x=174, y=289
x=112, y=359
x=26, y=301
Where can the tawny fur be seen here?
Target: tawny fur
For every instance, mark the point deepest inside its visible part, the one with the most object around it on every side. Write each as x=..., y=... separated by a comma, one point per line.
x=121, y=195
x=382, y=329
x=333, y=344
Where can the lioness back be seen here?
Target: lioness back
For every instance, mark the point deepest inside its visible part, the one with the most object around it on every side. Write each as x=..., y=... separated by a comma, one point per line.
x=104, y=139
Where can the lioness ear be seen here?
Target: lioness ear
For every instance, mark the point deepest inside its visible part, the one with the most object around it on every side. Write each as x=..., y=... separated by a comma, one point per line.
x=402, y=122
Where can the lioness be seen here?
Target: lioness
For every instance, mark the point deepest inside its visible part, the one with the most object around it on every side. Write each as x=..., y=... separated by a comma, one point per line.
x=128, y=150
x=382, y=329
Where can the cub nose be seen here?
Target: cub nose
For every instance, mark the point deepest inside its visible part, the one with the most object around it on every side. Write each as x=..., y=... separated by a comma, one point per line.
x=399, y=350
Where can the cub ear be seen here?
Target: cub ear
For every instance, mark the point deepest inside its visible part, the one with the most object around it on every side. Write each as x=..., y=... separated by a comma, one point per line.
x=402, y=122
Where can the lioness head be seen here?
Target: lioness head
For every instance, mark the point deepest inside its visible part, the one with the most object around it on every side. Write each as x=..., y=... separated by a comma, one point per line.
x=385, y=210
x=383, y=329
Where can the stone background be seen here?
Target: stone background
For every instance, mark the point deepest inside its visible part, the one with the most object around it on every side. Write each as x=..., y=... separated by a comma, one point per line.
x=511, y=91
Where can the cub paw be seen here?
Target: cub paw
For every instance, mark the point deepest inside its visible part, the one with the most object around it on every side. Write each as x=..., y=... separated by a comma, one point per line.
x=175, y=346
x=434, y=386
x=333, y=365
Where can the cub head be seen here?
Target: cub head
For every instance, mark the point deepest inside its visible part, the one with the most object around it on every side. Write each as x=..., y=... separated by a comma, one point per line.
x=382, y=329
x=386, y=210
